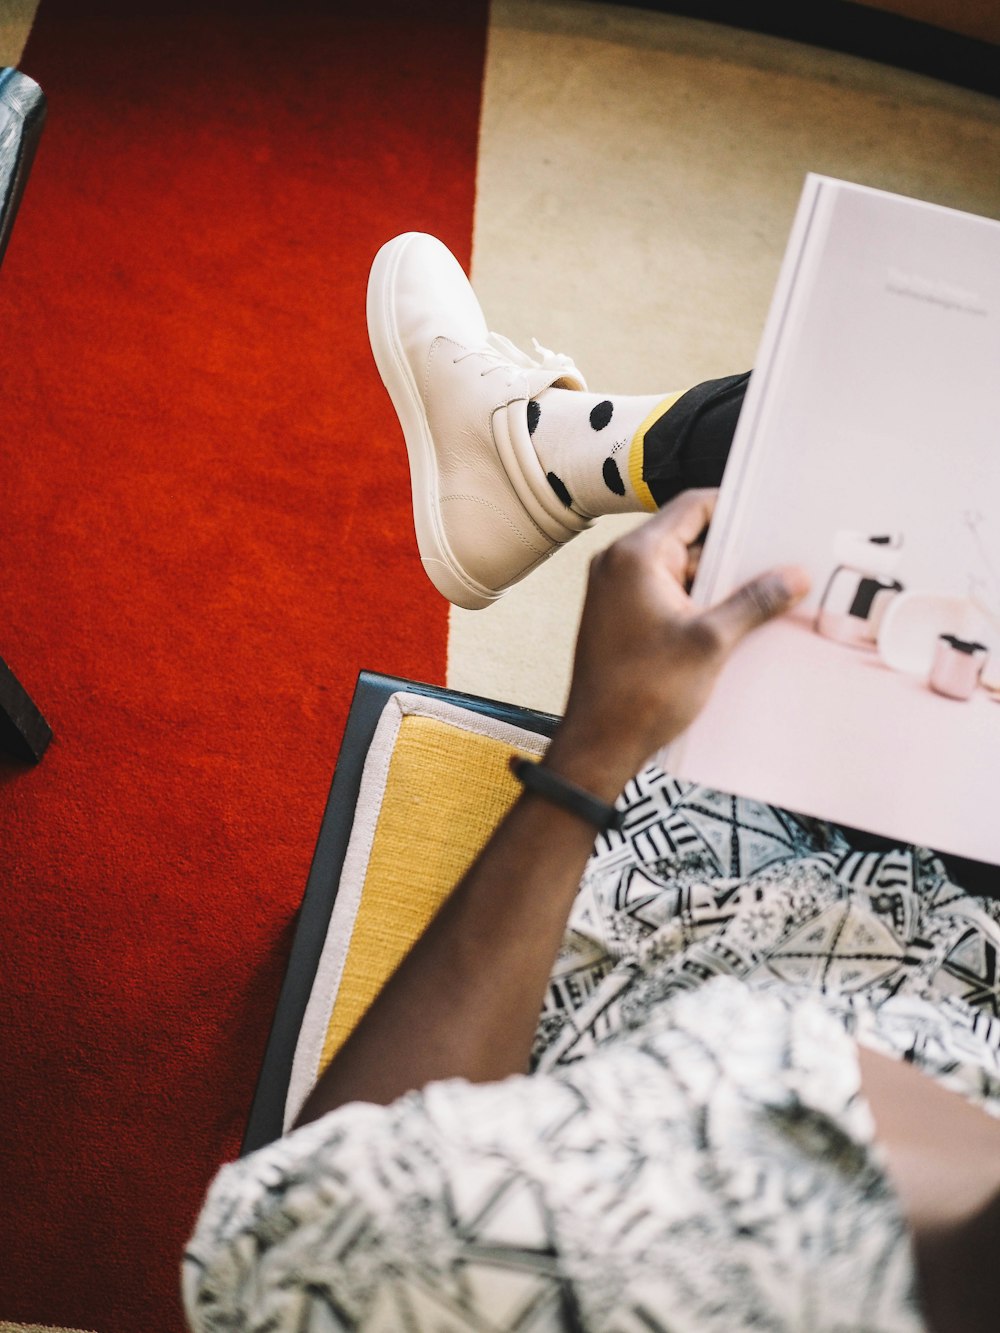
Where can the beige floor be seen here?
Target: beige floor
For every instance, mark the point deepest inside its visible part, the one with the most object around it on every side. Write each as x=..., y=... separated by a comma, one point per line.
x=15, y=22
x=638, y=174
x=35, y=1328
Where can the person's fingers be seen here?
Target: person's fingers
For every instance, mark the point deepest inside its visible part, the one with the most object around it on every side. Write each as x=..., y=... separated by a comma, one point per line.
x=693, y=561
x=684, y=518
x=665, y=538
x=755, y=603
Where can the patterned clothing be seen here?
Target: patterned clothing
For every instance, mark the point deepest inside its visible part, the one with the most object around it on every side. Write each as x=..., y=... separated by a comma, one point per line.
x=692, y=1150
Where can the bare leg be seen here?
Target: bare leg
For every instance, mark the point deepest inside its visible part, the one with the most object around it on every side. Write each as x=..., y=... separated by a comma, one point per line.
x=944, y=1159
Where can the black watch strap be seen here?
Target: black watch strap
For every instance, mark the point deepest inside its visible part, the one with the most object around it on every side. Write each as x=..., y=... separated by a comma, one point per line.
x=541, y=780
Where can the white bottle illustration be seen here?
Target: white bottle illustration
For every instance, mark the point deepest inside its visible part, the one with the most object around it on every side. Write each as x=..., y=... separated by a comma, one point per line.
x=860, y=587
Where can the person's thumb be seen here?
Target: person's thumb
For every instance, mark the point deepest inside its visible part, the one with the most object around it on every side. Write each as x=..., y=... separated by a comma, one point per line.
x=757, y=602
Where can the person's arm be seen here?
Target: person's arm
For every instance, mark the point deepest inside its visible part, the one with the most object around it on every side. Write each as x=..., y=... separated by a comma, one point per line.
x=465, y=1001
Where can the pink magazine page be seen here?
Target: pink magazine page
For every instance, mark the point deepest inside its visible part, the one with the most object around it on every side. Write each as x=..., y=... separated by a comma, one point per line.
x=868, y=452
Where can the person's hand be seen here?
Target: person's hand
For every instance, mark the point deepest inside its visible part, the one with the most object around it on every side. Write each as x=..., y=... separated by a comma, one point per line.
x=646, y=656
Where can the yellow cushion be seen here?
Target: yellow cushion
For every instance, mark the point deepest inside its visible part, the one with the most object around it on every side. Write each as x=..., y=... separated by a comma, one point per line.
x=446, y=792
x=436, y=784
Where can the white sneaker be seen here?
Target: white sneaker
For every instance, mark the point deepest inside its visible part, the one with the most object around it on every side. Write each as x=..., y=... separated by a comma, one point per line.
x=484, y=513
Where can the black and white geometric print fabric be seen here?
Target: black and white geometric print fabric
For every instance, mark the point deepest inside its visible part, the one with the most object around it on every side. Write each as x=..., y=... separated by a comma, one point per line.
x=715, y=1173
x=700, y=884
x=692, y=1151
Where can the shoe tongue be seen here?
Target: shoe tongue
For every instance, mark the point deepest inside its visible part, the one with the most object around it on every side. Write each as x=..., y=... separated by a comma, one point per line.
x=544, y=370
x=553, y=377
x=570, y=380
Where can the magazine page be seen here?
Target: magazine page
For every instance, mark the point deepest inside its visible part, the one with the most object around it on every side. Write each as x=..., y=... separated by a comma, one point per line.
x=868, y=452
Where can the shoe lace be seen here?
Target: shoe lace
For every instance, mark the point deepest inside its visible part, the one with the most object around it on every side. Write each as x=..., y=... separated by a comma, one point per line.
x=501, y=352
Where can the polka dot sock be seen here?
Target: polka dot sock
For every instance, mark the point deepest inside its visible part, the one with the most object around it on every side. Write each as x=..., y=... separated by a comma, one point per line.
x=590, y=447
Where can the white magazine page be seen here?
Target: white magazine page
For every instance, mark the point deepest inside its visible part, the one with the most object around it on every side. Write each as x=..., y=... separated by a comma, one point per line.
x=868, y=452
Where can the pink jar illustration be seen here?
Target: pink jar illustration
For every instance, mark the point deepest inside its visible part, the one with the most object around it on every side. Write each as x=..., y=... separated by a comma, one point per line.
x=957, y=666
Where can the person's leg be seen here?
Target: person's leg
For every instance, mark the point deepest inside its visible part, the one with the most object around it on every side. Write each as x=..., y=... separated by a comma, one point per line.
x=510, y=455
x=616, y=453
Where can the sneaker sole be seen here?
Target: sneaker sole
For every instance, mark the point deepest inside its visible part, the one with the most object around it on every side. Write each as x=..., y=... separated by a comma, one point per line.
x=439, y=564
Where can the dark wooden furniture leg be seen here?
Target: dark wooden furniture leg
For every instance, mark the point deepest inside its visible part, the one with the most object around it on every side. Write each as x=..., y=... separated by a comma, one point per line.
x=24, y=733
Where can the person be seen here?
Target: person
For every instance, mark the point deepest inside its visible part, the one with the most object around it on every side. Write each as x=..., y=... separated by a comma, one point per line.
x=720, y=1069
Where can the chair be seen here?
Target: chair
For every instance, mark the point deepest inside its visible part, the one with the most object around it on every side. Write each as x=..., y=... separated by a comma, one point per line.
x=421, y=781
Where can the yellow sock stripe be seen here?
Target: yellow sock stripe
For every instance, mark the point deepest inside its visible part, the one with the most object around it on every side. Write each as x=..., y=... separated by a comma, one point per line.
x=637, y=451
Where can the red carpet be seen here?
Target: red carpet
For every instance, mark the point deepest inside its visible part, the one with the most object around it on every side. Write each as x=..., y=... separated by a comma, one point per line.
x=206, y=534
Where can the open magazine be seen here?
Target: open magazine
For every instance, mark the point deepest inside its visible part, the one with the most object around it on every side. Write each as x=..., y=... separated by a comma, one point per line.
x=868, y=451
